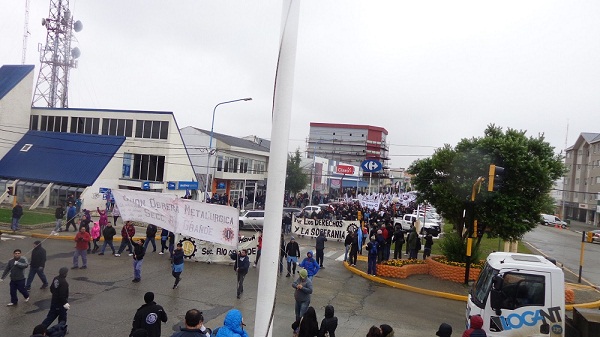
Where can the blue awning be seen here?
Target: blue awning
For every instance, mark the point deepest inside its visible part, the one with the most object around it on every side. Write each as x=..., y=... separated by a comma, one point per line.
x=59, y=157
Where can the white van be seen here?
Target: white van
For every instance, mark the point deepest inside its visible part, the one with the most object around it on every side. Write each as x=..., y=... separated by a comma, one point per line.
x=551, y=220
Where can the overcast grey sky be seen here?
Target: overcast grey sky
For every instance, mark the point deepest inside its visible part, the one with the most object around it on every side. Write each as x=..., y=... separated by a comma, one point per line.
x=430, y=72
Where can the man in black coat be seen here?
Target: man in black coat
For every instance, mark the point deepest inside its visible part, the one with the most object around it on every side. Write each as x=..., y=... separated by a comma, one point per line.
x=151, y=236
x=242, y=263
x=108, y=233
x=36, y=266
x=149, y=316
x=60, y=298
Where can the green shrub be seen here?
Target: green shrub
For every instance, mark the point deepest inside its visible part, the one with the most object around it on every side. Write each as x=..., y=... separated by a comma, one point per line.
x=454, y=248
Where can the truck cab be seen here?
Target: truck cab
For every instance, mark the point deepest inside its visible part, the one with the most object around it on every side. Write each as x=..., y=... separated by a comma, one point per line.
x=519, y=295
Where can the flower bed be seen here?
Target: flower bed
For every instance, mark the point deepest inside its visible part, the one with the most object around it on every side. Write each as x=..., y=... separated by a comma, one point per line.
x=405, y=268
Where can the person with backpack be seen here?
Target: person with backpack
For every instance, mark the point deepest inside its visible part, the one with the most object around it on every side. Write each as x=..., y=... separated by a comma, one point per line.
x=372, y=257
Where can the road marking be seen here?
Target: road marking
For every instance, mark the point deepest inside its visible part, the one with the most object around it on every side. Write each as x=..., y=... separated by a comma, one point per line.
x=6, y=237
x=330, y=253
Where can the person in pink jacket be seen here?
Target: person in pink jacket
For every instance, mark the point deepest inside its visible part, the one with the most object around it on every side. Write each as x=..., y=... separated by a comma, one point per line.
x=95, y=232
x=103, y=218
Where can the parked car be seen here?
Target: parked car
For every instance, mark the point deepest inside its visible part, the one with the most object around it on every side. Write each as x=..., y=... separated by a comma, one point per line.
x=296, y=211
x=316, y=208
x=595, y=236
x=252, y=219
x=552, y=220
x=255, y=218
x=429, y=226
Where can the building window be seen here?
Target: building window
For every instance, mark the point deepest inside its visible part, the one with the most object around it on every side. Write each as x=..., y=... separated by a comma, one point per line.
x=33, y=122
x=148, y=167
x=233, y=165
x=53, y=123
x=152, y=129
x=117, y=127
x=244, y=165
x=259, y=167
x=219, y=163
x=86, y=125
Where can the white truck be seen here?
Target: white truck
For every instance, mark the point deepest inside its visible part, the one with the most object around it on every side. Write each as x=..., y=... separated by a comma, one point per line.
x=408, y=220
x=520, y=295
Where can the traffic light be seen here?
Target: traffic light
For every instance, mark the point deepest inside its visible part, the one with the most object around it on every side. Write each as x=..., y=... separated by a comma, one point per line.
x=496, y=178
x=590, y=236
x=10, y=190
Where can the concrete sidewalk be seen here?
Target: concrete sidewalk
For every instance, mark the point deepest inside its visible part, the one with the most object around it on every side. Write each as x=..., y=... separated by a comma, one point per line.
x=45, y=233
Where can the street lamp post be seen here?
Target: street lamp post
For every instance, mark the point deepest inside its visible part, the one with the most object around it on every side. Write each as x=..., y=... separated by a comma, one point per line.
x=212, y=125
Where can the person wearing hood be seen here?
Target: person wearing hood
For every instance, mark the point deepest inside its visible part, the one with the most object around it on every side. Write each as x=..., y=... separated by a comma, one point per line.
x=386, y=330
x=95, y=232
x=307, y=326
x=233, y=325
x=445, y=330
x=36, y=266
x=194, y=325
x=149, y=316
x=59, y=304
x=320, y=247
x=475, y=330
x=310, y=264
x=304, y=288
x=39, y=331
x=329, y=323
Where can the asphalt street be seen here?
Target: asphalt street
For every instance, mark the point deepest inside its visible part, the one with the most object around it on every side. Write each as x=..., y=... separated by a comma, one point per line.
x=103, y=299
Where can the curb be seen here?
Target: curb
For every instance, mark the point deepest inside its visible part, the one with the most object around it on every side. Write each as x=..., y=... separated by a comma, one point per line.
x=397, y=285
x=441, y=294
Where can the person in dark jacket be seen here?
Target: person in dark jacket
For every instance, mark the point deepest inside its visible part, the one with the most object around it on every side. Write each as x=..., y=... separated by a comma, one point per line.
x=354, y=246
x=347, y=244
x=60, y=298
x=164, y=236
x=302, y=294
x=329, y=323
x=59, y=214
x=177, y=264
x=320, y=248
x=372, y=257
x=307, y=326
x=292, y=252
x=151, y=236
x=388, y=241
x=381, y=244
x=411, y=243
x=149, y=316
x=17, y=213
x=108, y=233
x=194, y=325
x=374, y=331
x=445, y=330
x=39, y=331
x=241, y=265
x=427, y=246
x=386, y=330
x=475, y=330
x=138, y=258
x=36, y=266
x=127, y=233
x=398, y=240
x=16, y=267
x=171, y=244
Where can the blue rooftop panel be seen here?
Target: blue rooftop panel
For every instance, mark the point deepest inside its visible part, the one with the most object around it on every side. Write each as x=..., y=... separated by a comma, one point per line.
x=11, y=75
x=65, y=158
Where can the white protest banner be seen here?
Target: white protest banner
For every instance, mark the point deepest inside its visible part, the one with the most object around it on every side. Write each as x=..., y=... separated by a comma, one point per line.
x=208, y=222
x=333, y=229
x=156, y=208
x=374, y=205
x=203, y=251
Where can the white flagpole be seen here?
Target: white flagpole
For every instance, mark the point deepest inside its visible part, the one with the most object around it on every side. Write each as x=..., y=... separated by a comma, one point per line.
x=280, y=130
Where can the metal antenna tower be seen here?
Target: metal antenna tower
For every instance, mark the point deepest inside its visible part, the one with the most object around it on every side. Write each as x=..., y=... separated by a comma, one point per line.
x=56, y=57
